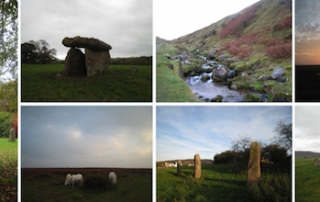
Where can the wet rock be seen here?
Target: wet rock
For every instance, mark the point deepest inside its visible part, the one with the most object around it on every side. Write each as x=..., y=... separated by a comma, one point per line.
x=244, y=75
x=74, y=63
x=221, y=72
x=254, y=173
x=197, y=166
x=234, y=87
x=83, y=42
x=211, y=56
x=218, y=98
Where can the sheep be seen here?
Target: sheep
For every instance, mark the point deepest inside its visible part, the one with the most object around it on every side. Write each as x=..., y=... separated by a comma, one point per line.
x=113, y=177
x=70, y=179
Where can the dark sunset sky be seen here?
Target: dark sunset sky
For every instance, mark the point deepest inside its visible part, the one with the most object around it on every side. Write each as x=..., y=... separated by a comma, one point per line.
x=307, y=32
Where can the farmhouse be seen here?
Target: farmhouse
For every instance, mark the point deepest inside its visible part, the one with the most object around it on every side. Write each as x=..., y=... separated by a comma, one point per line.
x=170, y=164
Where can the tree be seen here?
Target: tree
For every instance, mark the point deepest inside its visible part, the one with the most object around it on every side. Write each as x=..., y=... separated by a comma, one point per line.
x=37, y=52
x=275, y=153
x=283, y=132
x=9, y=38
x=9, y=97
x=241, y=143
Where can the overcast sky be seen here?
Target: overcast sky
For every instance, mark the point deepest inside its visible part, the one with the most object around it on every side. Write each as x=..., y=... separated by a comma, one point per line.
x=81, y=136
x=124, y=24
x=307, y=32
x=183, y=132
x=173, y=19
x=307, y=128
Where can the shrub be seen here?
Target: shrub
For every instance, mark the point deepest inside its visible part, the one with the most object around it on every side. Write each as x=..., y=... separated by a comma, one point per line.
x=97, y=181
x=281, y=50
x=284, y=24
x=277, y=188
x=225, y=157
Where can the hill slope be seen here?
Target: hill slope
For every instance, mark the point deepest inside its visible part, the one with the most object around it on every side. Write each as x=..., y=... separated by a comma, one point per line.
x=306, y=154
x=252, y=43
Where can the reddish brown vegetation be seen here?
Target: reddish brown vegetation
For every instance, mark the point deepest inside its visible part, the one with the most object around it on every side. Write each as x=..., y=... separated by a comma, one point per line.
x=281, y=50
x=234, y=26
x=284, y=24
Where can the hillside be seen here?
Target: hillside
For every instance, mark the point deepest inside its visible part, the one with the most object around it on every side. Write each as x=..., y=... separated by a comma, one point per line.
x=253, y=45
x=308, y=154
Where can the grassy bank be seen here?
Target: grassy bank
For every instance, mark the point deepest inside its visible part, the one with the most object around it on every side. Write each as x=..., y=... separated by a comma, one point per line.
x=41, y=83
x=307, y=180
x=170, y=87
x=219, y=183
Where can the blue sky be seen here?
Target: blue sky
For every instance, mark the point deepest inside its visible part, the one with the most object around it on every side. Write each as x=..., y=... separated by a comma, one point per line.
x=83, y=136
x=185, y=131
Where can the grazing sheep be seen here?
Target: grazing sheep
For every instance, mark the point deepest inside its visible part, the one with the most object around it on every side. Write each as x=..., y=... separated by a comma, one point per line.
x=70, y=179
x=113, y=177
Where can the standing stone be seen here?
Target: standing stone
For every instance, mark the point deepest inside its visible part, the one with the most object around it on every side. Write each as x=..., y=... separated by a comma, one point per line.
x=74, y=63
x=12, y=135
x=254, y=173
x=179, y=171
x=316, y=162
x=96, y=61
x=197, y=166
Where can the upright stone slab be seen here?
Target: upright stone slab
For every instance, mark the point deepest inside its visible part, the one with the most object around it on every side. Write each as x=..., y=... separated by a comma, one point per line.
x=254, y=172
x=75, y=63
x=197, y=166
x=316, y=162
x=179, y=171
x=12, y=135
x=96, y=61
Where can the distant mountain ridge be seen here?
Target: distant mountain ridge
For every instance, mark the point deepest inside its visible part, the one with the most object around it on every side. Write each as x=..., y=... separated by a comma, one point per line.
x=308, y=154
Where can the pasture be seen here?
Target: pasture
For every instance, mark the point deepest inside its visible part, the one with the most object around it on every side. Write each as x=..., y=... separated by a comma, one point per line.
x=48, y=185
x=307, y=180
x=41, y=82
x=219, y=183
x=8, y=168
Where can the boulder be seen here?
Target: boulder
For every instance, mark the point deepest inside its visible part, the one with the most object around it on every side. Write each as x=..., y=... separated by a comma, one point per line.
x=234, y=87
x=12, y=135
x=218, y=98
x=254, y=173
x=244, y=75
x=197, y=166
x=74, y=63
x=211, y=56
x=220, y=72
x=96, y=61
x=277, y=72
x=222, y=57
x=83, y=42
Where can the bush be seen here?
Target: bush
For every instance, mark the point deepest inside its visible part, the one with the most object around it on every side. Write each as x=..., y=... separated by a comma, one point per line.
x=225, y=157
x=277, y=188
x=280, y=50
x=97, y=181
x=5, y=125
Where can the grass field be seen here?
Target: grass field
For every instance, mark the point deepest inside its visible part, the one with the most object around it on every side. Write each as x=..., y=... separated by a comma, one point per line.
x=8, y=169
x=48, y=185
x=41, y=83
x=217, y=183
x=307, y=180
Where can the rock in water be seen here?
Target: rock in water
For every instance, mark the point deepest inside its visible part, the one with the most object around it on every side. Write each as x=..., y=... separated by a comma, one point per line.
x=83, y=42
x=74, y=63
x=197, y=166
x=179, y=171
x=12, y=135
x=96, y=61
x=254, y=173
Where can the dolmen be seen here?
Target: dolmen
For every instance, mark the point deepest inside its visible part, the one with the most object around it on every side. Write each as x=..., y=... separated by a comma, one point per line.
x=95, y=60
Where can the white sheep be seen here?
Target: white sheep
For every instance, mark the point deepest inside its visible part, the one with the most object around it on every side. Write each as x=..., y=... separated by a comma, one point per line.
x=113, y=177
x=71, y=179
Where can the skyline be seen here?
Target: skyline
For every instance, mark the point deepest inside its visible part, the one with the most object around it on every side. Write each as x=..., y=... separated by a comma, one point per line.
x=126, y=25
x=81, y=136
x=184, y=17
x=182, y=132
x=307, y=29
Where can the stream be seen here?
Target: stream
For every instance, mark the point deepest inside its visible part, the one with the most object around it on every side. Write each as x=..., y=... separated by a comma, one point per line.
x=206, y=90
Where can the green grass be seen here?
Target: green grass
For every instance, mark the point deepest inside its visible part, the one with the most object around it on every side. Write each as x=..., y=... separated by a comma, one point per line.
x=217, y=183
x=8, y=159
x=134, y=187
x=40, y=83
x=307, y=180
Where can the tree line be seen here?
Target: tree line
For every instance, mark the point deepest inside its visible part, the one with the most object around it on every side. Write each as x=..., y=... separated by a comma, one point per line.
x=38, y=52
